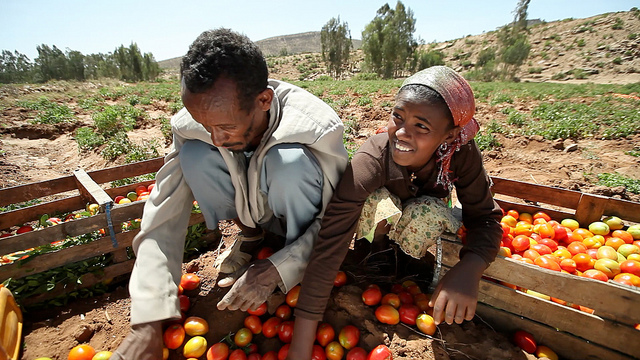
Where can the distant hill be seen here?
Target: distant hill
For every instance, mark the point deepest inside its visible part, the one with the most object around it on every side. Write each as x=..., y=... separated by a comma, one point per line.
x=308, y=42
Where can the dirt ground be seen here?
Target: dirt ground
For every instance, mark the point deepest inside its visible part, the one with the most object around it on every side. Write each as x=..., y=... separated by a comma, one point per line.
x=36, y=153
x=33, y=153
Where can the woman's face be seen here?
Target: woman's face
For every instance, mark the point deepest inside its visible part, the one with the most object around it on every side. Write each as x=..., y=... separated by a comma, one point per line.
x=417, y=128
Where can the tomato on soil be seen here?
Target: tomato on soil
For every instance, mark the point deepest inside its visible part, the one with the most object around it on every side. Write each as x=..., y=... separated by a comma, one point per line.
x=525, y=341
x=189, y=281
x=259, y=311
x=173, y=336
x=285, y=332
x=82, y=352
x=253, y=323
x=387, y=314
x=218, y=351
x=349, y=337
x=271, y=326
x=325, y=334
x=243, y=337
x=380, y=352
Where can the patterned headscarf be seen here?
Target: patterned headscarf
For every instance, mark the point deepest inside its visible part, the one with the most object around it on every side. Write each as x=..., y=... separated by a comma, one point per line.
x=458, y=95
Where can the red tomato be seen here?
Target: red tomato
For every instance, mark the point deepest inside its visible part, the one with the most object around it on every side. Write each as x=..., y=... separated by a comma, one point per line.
x=525, y=341
x=387, y=314
x=547, y=262
x=219, y=351
x=264, y=253
x=543, y=215
x=238, y=354
x=631, y=267
x=595, y=274
x=521, y=243
x=251, y=348
x=340, y=280
x=284, y=312
x=371, y=296
x=271, y=326
x=405, y=297
x=396, y=288
x=82, y=352
x=318, y=353
x=391, y=299
x=334, y=351
x=259, y=311
x=270, y=355
x=357, y=353
x=184, y=302
x=380, y=352
x=189, y=281
x=542, y=249
x=408, y=313
x=349, y=337
x=292, y=296
x=24, y=229
x=283, y=352
x=285, y=332
x=243, y=337
x=141, y=189
x=325, y=334
x=173, y=336
x=150, y=187
x=254, y=356
x=253, y=323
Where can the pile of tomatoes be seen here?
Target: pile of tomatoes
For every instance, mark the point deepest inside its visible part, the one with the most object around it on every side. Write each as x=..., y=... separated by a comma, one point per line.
x=405, y=303
x=259, y=325
x=604, y=250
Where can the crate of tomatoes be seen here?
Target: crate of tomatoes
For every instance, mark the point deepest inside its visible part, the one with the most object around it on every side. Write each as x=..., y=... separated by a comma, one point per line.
x=68, y=236
x=567, y=276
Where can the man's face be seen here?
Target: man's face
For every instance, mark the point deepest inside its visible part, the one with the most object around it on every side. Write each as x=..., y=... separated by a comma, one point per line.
x=218, y=110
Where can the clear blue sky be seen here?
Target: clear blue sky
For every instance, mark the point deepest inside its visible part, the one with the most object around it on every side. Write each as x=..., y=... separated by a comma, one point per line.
x=166, y=28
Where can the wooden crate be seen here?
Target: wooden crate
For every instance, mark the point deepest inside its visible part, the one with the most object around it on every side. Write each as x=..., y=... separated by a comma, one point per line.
x=87, y=184
x=607, y=334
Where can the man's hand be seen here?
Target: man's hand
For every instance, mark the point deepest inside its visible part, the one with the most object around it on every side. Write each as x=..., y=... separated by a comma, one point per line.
x=456, y=296
x=144, y=342
x=252, y=286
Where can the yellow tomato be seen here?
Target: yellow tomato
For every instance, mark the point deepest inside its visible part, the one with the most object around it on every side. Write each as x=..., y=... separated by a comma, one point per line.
x=195, y=347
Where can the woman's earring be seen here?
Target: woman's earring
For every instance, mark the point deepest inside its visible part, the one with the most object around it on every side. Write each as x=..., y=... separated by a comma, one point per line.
x=443, y=147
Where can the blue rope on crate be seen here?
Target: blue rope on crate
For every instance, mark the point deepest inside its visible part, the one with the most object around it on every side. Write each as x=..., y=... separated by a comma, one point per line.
x=112, y=233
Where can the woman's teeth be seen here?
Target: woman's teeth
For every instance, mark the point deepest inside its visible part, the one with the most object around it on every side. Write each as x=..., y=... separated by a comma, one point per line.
x=402, y=148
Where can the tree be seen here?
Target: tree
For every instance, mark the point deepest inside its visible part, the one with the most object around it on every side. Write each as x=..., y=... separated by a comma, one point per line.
x=388, y=42
x=75, y=66
x=336, y=45
x=14, y=67
x=51, y=63
x=515, y=46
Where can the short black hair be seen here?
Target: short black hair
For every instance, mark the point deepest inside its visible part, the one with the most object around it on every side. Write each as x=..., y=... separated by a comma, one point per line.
x=429, y=95
x=224, y=53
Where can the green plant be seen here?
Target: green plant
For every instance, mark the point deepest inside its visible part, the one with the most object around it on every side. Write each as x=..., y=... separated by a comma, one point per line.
x=21, y=205
x=364, y=101
x=501, y=98
x=613, y=180
x=632, y=36
x=535, y=70
x=165, y=128
x=559, y=76
x=54, y=114
x=516, y=118
x=617, y=60
x=618, y=24
x=88, y=139
x=486, y=141
x=581, y=43
x=634, y=152
x=579, y=73
x=116, y=118
x=366, y=76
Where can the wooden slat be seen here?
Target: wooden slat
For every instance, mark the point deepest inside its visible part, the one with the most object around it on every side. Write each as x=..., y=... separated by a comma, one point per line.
x=622, y=338
x=590, y=208
x=624, y=209
x=538, y=193
x=31, y=213
x=119, y=214
x=90, y=191
x=22, y=193
x=66, y=256
x=73, y=254
x=609, y=299
x=87, y=280
x=567, y=346
x=126, y=171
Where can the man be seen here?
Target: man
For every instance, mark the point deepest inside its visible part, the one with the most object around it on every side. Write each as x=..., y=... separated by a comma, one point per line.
x=262, y=152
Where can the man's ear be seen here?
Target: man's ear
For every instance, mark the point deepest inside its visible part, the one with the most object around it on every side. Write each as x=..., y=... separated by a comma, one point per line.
x=453, y=134
x=264, y=99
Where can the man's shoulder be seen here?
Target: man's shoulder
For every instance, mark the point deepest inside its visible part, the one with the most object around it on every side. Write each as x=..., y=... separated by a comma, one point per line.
x=292, y=97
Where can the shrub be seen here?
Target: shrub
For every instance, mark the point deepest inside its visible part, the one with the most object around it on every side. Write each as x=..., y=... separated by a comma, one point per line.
x=88, y=139
x=366, y=76
x=617, y=60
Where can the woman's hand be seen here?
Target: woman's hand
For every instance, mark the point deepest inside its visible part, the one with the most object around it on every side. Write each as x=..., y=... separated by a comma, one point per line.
x=456, y=296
